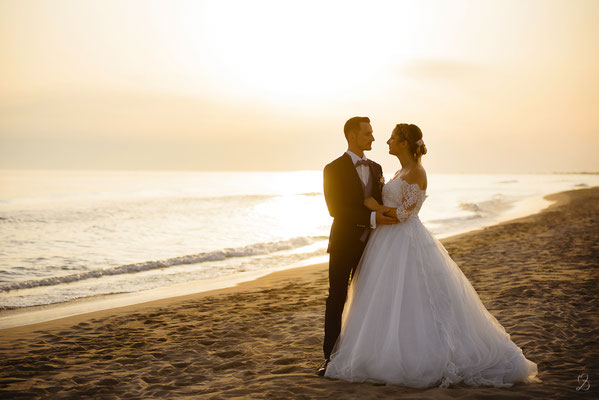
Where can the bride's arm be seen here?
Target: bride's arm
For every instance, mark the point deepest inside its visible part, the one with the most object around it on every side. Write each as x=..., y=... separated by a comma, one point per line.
x=408, y=206
x=416, y=183
x=400, y=214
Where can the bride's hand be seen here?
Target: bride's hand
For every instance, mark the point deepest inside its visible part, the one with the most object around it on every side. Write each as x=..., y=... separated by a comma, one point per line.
x=372, y=204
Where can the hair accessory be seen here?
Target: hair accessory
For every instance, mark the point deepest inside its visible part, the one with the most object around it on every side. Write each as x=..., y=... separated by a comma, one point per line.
x=420, y=142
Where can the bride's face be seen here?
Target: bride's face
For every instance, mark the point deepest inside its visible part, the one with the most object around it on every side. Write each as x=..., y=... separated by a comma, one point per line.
x=395, y=144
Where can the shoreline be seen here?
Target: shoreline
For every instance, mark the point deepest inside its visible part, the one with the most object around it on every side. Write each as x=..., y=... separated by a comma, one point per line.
x=262, y=339
x=26, y=316
x=31, y=315
x=266, y=279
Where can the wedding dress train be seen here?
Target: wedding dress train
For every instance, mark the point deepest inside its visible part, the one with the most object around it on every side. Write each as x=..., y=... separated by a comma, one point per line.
x=412, y=318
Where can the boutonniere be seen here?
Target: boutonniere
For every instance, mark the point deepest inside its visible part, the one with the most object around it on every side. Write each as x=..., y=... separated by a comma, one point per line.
x=382, y=180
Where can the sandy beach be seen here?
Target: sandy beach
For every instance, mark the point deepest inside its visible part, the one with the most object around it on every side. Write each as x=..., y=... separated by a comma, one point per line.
x=262, y=339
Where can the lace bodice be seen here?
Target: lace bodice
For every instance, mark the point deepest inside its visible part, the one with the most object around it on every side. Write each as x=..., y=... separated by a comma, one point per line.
x=406, y=197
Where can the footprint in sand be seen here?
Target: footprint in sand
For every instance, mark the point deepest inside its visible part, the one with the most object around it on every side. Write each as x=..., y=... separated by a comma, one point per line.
x=229, y=354
x=229, y=365
x=286, y=370
x=285, y=361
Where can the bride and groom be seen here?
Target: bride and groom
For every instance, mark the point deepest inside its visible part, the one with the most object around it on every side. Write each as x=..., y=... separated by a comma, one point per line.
x=410, y=317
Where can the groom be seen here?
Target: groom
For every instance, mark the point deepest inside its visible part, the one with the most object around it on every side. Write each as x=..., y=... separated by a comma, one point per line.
x=347, y=182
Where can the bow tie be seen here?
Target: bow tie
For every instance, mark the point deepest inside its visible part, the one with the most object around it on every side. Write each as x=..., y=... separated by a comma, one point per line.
x=362, y=162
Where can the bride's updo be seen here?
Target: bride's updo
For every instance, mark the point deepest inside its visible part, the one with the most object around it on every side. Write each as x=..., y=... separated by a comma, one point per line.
x=413, y=135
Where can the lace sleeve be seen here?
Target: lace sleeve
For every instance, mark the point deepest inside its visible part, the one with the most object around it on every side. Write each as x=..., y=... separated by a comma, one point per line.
x=409, y=202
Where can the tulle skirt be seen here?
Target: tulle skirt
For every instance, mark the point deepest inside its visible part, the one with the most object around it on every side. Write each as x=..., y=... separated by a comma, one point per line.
x=413, y=319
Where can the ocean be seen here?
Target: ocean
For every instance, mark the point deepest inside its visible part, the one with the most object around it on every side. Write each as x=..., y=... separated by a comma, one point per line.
x=68, y=235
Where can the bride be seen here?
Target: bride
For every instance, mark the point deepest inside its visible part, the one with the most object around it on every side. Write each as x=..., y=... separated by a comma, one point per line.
x=412, y=318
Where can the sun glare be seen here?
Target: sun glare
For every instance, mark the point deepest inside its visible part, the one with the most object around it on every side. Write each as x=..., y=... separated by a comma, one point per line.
x=282, y=52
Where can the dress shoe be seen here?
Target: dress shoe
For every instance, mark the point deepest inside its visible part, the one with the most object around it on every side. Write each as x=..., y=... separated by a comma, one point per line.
x=323, y=369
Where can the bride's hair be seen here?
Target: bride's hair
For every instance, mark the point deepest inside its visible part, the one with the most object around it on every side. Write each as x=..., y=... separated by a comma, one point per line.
x=413, y=135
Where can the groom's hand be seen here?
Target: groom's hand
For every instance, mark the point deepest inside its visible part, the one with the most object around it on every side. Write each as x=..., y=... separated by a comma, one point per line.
x=383, y=219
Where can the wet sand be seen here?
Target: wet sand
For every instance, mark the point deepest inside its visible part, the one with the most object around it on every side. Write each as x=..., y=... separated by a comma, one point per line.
x=537, y=275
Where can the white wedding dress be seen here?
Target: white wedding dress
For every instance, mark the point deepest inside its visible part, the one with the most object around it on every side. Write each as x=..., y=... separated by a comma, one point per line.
x=412, y=318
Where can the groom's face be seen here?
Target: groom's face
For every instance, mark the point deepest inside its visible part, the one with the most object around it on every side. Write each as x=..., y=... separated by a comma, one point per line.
x=364, y=136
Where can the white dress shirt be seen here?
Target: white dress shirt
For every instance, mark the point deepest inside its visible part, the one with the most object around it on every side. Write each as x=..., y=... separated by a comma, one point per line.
x=364, y=174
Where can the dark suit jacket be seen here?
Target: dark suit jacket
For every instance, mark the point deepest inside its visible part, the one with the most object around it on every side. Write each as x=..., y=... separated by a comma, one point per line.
x=344, y=195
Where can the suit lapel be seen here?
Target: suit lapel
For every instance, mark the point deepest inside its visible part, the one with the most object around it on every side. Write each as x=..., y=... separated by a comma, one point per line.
x=352, y=172
x=372, y=172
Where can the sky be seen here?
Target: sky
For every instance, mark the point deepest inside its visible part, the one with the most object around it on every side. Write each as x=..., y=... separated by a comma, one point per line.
x=506, y=86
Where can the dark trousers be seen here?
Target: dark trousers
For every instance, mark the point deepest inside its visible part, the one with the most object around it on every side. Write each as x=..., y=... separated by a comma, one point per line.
x=342, y=264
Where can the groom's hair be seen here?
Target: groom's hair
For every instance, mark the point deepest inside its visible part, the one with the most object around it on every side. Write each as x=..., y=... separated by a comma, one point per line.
x=354, y=124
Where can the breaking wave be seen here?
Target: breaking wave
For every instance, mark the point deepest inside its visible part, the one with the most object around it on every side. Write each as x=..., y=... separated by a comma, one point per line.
x=217, y=255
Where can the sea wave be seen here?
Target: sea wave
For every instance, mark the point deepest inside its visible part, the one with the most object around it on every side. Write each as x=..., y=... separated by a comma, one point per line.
x=476, y=211
x=135, y=198
x=217, y=255
x=311, y=194
x=493, y=206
